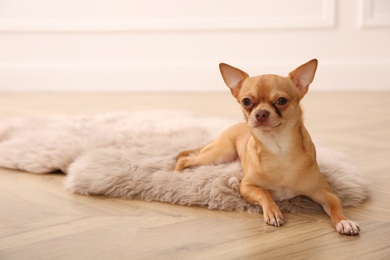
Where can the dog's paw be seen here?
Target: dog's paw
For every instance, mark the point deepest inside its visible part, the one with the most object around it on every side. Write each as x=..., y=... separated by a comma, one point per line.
x=273, y=217
x=347, y=227
x=181, y=163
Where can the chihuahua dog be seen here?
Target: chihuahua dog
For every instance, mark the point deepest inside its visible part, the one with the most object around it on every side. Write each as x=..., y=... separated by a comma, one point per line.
x=276, y=152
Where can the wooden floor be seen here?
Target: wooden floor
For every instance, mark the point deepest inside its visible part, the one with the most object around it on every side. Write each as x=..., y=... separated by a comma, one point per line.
x=40, y=220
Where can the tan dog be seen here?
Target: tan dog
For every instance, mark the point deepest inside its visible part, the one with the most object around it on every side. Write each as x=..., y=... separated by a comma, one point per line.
x=276, y=152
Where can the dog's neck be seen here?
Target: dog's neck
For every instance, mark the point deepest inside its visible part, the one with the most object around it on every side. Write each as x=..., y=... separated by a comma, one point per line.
x=280, y=140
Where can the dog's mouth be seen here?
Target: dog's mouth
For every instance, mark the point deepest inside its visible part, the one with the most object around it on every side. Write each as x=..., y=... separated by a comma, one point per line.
x=263, y=119
x=265, y=125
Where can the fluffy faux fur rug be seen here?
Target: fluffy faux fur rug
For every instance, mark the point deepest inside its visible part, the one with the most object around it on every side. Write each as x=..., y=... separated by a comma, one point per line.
x=131, y=155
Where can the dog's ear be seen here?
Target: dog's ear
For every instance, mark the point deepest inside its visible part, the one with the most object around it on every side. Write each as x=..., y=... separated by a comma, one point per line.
x=233, y=78
x=304, y=75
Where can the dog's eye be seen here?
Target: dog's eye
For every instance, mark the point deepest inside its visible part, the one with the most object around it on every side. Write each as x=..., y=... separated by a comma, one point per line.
x=246, y=102
x=281, y=101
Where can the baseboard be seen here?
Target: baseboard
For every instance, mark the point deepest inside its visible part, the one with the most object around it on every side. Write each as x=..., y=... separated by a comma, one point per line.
x=178, y=77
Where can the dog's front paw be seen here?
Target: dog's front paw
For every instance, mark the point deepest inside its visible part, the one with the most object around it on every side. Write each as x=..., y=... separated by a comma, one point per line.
x=347, y=227
x=273, y=217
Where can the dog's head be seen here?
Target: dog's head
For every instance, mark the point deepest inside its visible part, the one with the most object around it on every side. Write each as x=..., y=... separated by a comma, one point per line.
x=268, y=101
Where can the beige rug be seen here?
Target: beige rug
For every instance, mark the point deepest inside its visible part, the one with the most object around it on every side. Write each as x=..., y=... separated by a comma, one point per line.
x=131, y=155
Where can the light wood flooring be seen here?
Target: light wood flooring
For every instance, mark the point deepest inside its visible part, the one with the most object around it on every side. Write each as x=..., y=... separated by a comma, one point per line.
x=41, y=220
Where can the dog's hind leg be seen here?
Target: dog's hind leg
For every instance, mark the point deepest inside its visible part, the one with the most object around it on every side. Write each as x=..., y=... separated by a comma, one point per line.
x=224, y=149
x=216, y=152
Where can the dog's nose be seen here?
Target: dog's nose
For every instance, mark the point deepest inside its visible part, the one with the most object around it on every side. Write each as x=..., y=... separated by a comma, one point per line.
x=262, y=115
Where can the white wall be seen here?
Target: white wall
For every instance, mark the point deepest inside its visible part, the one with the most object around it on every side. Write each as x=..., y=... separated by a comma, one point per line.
x=176, y=45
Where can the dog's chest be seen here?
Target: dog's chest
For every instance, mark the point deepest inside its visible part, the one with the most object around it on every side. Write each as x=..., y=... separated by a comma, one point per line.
x=278, y=177
x=278, y=165
x=281, y=182
x=282, y=193
x=279, y=173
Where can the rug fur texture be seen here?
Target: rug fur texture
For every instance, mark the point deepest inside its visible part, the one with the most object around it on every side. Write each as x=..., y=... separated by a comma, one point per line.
x=132, y=155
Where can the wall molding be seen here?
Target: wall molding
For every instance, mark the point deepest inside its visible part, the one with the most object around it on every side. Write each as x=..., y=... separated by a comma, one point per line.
x=367, y=17
x=325, y=20
x=173, y=77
